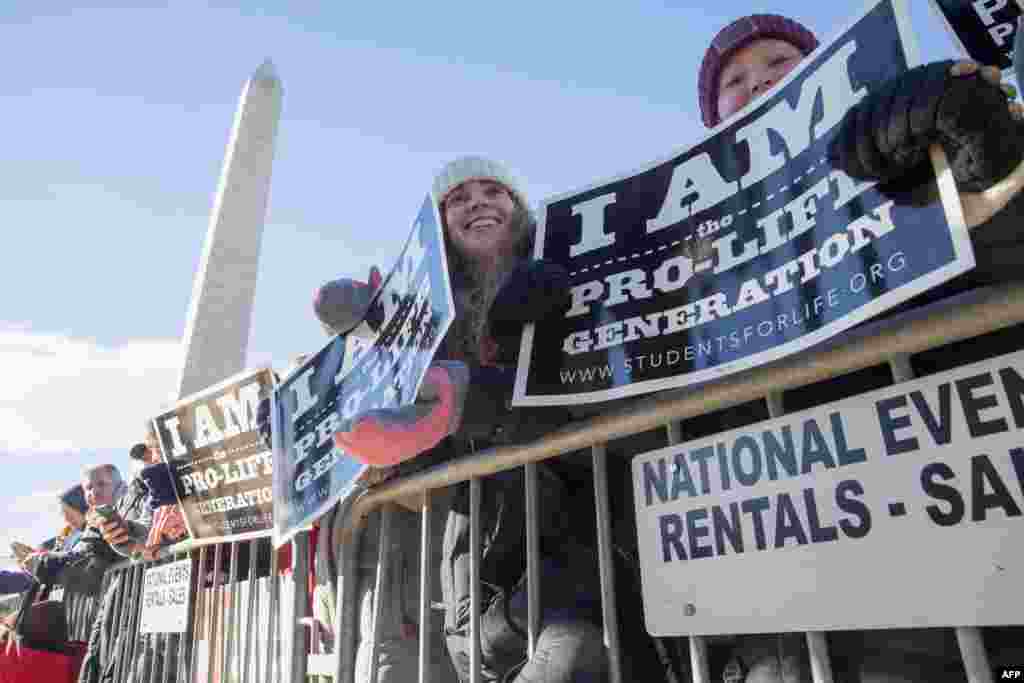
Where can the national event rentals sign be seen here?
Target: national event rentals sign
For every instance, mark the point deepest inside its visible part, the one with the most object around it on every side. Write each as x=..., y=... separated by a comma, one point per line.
x=222, y=470
x=984, y=29
x=166, y=592
x=900, y=507
x=742, y=249
x=379, y=364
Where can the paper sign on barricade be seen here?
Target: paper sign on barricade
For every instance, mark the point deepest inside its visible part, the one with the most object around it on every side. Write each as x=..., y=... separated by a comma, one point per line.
x=896, y=508
x=984, y=29
x=166, y=596
x=742, y=249
x=380, y=364
x=222, y=468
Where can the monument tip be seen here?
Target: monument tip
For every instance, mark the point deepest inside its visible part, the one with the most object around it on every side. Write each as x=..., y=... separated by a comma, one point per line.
x=266, y=71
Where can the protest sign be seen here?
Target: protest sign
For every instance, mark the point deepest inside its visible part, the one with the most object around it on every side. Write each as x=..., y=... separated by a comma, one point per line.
x=742, y=249
x=379, y=364
x=166, y=592
x=900, y=507
x=984, y=29
x=222, y=469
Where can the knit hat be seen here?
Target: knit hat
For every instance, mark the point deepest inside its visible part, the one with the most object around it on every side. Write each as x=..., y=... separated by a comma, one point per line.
x=467, y=168
x=74, y=497
x=735, y=36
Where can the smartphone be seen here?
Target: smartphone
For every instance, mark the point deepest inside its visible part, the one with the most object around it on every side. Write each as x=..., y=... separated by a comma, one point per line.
x=105, y=511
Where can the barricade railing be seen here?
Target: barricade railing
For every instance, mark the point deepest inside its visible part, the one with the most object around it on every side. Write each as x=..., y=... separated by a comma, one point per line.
x=239, y=604
x=891, y=340
x=79, y=610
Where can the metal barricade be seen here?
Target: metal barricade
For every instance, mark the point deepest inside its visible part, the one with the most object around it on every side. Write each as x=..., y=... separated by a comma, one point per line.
x=80, y=611
x=891, y=340
x=239, y=603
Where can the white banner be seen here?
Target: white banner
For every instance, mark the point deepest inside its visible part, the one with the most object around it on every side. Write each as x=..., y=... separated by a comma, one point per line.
x=896, y=508
x=166, y=594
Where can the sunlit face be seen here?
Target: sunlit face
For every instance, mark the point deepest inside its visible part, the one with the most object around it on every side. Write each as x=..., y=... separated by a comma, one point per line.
x=72, y=517
x=478, y=216
x=752, y=70
x=99, y=488
x=152, y=449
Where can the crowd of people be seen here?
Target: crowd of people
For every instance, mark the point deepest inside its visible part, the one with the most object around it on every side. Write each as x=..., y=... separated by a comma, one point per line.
x=108, y=519
x=489, y=233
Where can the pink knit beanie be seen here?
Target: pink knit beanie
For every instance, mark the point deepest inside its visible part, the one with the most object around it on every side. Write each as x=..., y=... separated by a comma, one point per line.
x=735, y=36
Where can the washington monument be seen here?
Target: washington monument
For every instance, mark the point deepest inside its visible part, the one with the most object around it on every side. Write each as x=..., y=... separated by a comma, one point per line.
x=219, y=315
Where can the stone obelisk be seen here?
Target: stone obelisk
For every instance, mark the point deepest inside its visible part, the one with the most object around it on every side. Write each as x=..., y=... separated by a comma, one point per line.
x=217, y=329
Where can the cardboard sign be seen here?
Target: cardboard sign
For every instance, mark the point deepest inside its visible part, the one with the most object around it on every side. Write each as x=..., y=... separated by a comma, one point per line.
x=380, y=364
x=896, y=508
x=984, y=29
x=742, y=249
x=222, y=469
x=166, y=596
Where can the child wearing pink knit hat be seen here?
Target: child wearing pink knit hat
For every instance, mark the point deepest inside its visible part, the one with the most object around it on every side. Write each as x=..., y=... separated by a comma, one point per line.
x=983, y=141
x=960, y=106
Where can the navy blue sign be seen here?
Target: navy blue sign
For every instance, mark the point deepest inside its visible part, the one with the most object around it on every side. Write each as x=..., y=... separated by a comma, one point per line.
x=379, y=364
x=985, y=29
x=741, y=249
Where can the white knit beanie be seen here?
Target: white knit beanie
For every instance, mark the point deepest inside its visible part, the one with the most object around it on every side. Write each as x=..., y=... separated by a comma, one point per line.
x=467, y=168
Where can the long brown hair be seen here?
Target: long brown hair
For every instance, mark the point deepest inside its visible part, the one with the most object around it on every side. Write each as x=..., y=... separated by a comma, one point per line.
x=474, y=288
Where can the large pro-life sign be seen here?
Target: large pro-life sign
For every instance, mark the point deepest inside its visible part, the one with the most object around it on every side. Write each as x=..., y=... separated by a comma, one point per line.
x=166, y=594
x=900, y=507
x=984, y=29
x=380, y=364
x=222, y=469
x=742, y=249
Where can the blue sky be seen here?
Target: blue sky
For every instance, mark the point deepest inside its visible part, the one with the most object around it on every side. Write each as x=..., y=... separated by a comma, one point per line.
x=116, y=118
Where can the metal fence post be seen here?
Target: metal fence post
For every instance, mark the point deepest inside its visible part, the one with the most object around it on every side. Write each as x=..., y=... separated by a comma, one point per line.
x=300, y=581
x=474, y=580
x=605, y=563
x=426, y=586
x=533, y=588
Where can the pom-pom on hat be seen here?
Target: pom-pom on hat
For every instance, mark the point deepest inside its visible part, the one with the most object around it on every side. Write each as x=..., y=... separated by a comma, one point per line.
x=467, y=168
x=735, y=36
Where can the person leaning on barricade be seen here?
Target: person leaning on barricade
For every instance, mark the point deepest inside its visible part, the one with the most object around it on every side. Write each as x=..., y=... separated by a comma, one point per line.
x=884, y=138
x=463, y=407
x=125, y=533
x=73, y=509
x=80, y=569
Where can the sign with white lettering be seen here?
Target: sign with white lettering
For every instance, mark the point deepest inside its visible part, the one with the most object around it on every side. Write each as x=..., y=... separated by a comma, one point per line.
x=984, y=29
x=379, y=364
x=912, y=490
x=222, y=470
x=742, y=249
x=166, y=595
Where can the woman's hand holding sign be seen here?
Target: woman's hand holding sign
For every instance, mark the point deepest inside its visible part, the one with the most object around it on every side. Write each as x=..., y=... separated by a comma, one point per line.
x=387, y=437
x=960, y=106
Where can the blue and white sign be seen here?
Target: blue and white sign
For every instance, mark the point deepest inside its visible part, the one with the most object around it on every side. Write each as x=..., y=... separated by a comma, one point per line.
x=379, y=364
x=896, y=508
x=744, y=248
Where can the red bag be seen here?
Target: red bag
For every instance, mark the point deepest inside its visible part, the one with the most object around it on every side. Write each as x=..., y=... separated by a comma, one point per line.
x=33, y=666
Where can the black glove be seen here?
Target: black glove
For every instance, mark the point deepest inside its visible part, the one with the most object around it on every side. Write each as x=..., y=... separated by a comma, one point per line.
x=534, y=291
x=886, y=136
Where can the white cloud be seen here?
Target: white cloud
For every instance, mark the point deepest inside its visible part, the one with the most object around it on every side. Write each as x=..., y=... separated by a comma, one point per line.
x=63, y=394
